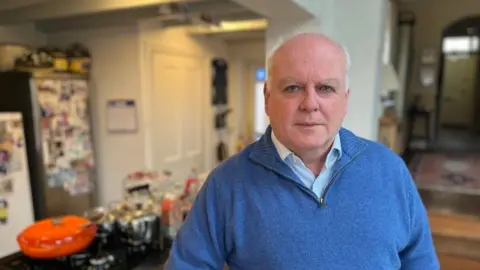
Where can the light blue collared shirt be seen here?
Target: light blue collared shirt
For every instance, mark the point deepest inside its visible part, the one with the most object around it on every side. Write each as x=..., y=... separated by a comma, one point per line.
x=316, y=184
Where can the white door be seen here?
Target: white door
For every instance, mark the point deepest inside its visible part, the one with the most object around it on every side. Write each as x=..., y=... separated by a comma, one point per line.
x=177, y=114
x=175, y=99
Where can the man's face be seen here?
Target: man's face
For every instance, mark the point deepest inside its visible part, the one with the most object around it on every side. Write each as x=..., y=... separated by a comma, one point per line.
x=306, y=96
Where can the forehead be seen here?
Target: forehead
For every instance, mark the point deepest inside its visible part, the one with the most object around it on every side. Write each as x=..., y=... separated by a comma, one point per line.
x=309, y=57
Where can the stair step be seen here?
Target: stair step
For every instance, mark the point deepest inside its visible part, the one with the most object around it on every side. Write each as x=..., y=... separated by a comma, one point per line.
x=455, y=234
x=449, y=262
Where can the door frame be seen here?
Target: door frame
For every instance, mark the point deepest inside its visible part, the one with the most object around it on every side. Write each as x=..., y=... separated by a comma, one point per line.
x=146, y=51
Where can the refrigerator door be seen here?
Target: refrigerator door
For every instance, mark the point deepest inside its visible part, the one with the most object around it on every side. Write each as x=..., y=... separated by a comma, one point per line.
x=67, y=145
x=16, y=207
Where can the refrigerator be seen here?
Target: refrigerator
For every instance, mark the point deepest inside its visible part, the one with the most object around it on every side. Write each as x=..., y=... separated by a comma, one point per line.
x=57, y=127
x=16, y=207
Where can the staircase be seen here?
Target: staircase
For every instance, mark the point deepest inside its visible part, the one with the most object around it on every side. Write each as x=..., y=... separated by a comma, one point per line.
x=457, y=240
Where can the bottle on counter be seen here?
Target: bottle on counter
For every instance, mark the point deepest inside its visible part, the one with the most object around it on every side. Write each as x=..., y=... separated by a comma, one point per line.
x=172, y=215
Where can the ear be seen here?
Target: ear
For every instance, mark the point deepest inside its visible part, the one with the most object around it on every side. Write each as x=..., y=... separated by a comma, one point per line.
x=347, y=94
x=266, y=96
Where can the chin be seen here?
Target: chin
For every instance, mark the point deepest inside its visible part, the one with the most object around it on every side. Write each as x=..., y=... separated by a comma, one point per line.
x=310, y=138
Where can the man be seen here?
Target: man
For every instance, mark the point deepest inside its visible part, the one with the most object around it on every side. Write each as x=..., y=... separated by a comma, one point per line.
x=309, y=194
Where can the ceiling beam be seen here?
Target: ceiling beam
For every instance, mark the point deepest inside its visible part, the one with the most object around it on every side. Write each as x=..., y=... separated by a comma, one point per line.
x=228, y=27
x=55, y=9
x=277, y=8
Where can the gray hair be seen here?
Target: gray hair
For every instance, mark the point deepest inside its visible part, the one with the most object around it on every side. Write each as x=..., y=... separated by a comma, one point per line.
x=284, y=39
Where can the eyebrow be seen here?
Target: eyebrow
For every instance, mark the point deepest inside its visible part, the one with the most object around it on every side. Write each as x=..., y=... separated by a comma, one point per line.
x=288, y=80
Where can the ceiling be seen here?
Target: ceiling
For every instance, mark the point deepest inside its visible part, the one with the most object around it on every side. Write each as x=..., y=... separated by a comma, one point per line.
x=12, y=4
x=51, y=16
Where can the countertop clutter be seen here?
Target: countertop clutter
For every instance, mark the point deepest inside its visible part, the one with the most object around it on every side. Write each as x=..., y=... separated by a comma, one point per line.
x=131, y=234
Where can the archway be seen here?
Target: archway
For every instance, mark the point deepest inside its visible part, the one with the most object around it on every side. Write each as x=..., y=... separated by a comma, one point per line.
x=458, y=93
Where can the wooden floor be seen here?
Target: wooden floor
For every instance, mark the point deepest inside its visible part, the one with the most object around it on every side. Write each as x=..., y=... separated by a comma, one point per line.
x=457, y=240
x=455, y=225
x=449, y=262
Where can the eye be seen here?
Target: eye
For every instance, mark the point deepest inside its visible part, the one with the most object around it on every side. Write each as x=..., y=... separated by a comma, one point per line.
x=291, y=88
x=326, y=88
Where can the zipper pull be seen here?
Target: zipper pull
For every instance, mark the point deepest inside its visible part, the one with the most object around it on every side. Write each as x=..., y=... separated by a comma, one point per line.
x=322, y=203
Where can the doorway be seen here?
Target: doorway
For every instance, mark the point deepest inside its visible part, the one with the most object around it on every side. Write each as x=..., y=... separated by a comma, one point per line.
x=175, y=92
x=177, y=124
x=458, y=93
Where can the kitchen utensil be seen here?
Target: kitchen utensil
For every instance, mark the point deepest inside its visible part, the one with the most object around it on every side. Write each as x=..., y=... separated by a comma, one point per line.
x=56, y=237
x=140, y=220
x=104, y=219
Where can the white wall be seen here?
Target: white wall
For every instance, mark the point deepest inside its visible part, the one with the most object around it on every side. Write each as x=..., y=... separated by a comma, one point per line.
x=117, y=73
x=365, y=48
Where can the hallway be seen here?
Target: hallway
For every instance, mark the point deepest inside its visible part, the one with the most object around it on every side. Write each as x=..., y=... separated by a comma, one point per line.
x=447, y=175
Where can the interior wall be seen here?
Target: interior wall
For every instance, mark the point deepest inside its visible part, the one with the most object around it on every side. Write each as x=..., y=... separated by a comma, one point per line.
x=116, y=73
x=431, y=17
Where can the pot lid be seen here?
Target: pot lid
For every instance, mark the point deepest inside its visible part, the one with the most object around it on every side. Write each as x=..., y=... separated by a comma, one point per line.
x=55, y=230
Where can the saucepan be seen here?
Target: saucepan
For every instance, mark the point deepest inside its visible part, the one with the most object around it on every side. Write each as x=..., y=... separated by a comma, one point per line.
x=54, y=238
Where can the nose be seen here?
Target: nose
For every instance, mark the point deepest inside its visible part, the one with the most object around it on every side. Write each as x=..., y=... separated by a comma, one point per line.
x=309, y=102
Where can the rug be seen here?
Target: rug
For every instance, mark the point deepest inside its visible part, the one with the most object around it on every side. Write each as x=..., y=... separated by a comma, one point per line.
x=449, y=172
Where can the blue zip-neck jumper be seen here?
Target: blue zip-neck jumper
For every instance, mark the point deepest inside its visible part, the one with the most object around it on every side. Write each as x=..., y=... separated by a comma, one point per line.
x=255, y=214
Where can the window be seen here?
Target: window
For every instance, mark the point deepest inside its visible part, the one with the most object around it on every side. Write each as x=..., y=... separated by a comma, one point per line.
x=261, y=119
x=465, y=44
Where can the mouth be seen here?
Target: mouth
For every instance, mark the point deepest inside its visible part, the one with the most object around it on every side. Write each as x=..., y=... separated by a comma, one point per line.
x=307, y=124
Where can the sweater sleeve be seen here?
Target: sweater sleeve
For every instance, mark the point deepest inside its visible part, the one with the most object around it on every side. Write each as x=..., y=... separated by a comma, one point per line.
x=199, y=244
x=419, y=252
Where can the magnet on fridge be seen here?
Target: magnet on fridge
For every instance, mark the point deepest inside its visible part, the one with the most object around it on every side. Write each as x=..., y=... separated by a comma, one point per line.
x=6, y=186
x=69, y=131
x=3, y=211
x=53, y=181
x=4, y=160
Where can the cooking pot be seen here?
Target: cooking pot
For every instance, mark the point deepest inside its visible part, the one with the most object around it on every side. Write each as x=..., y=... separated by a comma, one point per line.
x=104, y=219
x=139, y=222
x=56, y=237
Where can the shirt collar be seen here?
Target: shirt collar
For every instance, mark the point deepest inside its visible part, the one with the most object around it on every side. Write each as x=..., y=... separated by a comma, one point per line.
x=334, y=154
